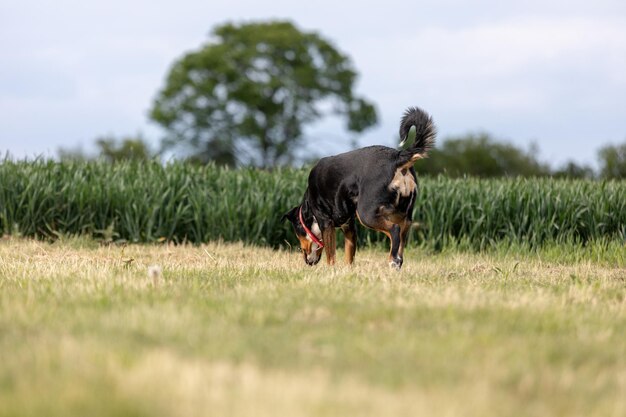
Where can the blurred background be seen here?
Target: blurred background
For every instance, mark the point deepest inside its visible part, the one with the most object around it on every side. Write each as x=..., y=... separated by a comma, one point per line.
x=532, y=88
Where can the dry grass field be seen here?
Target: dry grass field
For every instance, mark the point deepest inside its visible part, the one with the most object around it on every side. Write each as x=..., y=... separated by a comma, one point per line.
x=229, y=330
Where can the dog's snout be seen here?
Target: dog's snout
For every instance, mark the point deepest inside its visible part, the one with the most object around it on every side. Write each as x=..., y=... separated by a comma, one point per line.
x=310, y=259
x=311, y=263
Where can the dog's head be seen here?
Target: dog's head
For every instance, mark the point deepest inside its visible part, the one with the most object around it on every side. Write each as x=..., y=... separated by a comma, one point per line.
x=311, y=251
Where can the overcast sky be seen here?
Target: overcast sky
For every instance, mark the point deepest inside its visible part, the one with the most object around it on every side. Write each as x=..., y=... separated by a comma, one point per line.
x=552, y=72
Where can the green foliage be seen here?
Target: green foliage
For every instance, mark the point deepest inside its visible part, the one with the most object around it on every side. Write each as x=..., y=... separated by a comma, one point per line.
x=147, y=202
x=245, y=97
x=573, y=170
x=127, y=149
x=481, y=212
x=481, y=156
x=110, y=149
x=613, y=161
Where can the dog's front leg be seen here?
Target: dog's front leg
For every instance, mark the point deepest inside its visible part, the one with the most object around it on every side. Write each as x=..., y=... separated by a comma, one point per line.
x=330, y=243
x=349, y=231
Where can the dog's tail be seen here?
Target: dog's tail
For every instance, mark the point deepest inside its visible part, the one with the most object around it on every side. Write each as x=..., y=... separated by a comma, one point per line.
x=425, y=133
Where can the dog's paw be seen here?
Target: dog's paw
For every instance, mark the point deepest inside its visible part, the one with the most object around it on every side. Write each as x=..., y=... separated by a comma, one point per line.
x=396, y=263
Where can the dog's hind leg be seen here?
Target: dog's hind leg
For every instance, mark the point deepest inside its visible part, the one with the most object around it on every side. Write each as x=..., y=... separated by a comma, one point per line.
x=349, y=231
x=377, y=221
x=404, y=234
x=330, y=244
x=399, y=233
x=395, y=254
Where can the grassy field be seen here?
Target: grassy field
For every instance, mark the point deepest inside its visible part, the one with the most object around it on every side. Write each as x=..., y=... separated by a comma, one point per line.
x=227, y=330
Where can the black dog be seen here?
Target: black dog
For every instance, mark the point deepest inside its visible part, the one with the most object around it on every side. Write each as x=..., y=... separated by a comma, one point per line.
x=376, y=184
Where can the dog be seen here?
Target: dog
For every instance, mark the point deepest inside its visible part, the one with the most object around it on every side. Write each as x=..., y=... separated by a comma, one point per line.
x=376, y=184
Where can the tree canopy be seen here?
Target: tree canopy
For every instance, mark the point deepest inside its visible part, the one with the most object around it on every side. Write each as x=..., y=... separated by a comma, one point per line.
x=613, y=161
x=112, y=149
x=482, y=156
x=245, y=96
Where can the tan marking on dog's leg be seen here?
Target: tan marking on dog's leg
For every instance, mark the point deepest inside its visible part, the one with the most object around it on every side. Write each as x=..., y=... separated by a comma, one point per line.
x=380, y=226
x=350, y=248
x=404, y=234
x=330, y=244
x=388, y=234
x=381, y=223
x=350, y=242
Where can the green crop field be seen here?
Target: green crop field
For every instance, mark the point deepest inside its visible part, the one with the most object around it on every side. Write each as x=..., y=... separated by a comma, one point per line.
x=149, y=202
x=229, y=330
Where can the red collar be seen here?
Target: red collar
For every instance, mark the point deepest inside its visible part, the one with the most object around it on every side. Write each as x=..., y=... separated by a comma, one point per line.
x=308, y=231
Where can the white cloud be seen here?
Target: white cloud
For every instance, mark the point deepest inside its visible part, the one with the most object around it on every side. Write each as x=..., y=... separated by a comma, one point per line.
x=511, y=51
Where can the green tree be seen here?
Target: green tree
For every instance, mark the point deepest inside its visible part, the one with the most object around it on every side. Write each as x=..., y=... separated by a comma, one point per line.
x=244, y=97
x=573, y=170
x=128, y=148
x=112, y=149
x=613, y=161
x=482, y=156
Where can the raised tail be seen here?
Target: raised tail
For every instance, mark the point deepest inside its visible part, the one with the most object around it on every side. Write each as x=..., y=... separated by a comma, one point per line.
x=425, y=133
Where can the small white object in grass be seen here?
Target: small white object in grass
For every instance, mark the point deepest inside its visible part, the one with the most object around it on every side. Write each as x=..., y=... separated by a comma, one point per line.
x=155, y=273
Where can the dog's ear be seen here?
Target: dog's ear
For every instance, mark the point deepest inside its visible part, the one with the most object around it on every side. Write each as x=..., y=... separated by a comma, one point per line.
x=291, y=215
